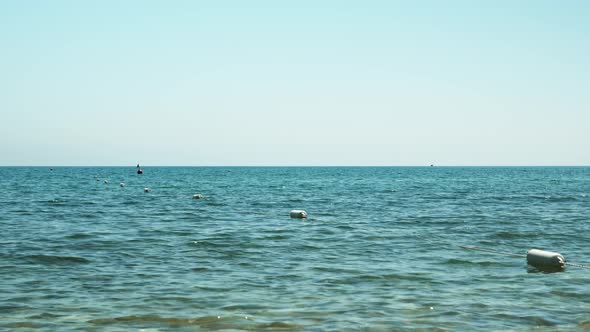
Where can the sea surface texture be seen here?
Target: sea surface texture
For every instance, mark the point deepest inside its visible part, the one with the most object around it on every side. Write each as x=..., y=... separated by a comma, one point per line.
x=380, y=250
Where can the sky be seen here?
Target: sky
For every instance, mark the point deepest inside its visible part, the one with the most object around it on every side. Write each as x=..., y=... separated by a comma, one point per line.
x=294, y=83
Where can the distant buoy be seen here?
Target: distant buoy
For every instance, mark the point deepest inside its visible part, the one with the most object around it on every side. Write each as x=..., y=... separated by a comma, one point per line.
x=106, y=181
x=298, y=214
x=139, y=171
x=137, y=165
x=146, y=190
x=545, y=259
x=122, y=184
x=197, y=196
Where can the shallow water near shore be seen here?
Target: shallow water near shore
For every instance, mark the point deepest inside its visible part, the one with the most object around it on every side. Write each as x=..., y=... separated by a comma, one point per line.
x=379, y=251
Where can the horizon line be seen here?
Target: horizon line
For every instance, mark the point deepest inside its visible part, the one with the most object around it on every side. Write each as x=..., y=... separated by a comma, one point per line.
x=286, y=166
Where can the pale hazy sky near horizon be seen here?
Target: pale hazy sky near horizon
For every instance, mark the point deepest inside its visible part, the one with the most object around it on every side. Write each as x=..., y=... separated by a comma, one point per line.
x=295, y=83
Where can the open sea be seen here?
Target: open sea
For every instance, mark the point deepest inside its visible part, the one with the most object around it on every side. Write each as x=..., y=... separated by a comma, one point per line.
x=378, y=252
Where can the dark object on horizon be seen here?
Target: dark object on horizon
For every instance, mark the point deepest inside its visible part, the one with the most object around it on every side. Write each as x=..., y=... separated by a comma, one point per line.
x=431, y=165
x=139, y=171
x=137, y=165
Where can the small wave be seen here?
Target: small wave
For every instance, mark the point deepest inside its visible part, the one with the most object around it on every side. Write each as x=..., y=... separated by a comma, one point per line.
x=23, y=212
x=277, y=237
x=79, y=236
x=455, y=261
x=180, y=299
x=561, y=199
x=545, y=270
x=327, y=214
x=268, y=205
x=410, y=277
x=204, y=243
x=570, y=294
x=311, y=247
x=173, y=321
x=278, y=326
x=44, y=315
x=441, y=197
x=334, y=269
x=244, y=307
x=21, y=325
x=88, y=216
x=535, y=320
x=200, y=269
x=509, y=235
x=207, y=322
x=369, y=277
x=539, y=321
x=539, y=197
x=215, y=204
x=8, y=308
x=58, y=260
x=55, y=201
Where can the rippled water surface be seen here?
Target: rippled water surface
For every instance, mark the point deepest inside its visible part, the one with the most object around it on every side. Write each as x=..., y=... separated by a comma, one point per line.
x=379, y=251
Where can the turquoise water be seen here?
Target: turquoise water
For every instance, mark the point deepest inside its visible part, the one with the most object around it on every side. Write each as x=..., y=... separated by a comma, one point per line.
x=379, y=251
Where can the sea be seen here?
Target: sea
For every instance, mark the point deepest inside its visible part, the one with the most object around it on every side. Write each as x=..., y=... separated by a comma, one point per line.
x=89, y=249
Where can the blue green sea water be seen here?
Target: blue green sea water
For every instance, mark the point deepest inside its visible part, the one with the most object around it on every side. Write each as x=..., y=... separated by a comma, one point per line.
x=379, y=251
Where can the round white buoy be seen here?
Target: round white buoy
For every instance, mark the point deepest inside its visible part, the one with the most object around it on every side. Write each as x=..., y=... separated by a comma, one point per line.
x=197, y=196
x=545, y=259
x=122, y=184
x=298, y=214
x=146, y=190
x=106, y=181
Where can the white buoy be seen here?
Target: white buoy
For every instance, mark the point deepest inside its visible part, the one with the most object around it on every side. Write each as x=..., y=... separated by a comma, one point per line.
x=545, y=259
x=122, y=184
x=197, y=196
x=146, y=190
x=106, y=181
x=298, y=214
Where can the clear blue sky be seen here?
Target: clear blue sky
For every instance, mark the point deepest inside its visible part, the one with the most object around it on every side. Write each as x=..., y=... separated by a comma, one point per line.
x=294, y=82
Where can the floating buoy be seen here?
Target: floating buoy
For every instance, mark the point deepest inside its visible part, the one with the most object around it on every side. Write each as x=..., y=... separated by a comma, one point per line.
x=146, y=190
x=544, y=260
x=197, y=196
x=298, y=214
x=122, y=184
x=106, y=181
x=139, y=171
